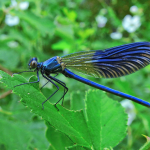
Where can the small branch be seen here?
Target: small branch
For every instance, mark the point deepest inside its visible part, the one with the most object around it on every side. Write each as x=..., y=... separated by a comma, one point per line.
x=5, y=70
x=10, y=73
x=5, y=94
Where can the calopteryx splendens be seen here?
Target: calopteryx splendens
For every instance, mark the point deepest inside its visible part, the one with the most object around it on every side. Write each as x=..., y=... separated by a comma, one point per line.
x=109, y=63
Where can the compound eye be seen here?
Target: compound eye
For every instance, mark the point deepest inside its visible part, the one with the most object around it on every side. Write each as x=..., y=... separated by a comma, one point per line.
x=33, y=64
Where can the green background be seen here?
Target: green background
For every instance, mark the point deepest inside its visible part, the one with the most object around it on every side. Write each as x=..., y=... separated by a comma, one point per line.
x=56, y=28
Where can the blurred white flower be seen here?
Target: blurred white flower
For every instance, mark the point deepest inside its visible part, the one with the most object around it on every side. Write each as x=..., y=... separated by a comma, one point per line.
x=116, y=35
x=21, y=5
x=14, y=20
x=3, y=37
x=12, y=44
x=129, y=108
x=13, y=3
x=133, y=9
x=130, y=23
x=101, y=20
x=24, y=5
x=11, y=20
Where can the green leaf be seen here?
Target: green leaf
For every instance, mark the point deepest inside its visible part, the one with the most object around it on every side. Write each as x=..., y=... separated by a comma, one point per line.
x=61, y=45
x=71, y=15
x=146, y=146
x=65, y=32
x=44, y=25
x=102, y=124
x=21, y=134
x=2, y=3
x=15, y=134
x=105, y=117
x=76, y=147
x=59, y=140
x=76, y=101
x=8, y=59
x=86, y=33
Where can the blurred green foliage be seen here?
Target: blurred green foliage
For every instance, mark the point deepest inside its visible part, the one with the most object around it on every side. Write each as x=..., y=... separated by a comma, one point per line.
x=50, y=28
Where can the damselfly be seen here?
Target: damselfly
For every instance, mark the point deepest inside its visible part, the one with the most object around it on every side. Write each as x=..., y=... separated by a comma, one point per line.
x=110, y=63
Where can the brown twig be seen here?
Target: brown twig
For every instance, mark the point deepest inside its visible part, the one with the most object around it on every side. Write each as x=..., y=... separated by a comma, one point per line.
x=5, y=70
x=10, y=73
x=5, y=94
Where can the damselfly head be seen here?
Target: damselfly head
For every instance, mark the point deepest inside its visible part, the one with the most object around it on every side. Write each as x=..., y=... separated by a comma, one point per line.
x=33, y=63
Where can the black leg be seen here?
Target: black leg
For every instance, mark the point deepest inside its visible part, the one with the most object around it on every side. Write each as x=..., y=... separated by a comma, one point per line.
x=65, y=89
x=30, y=82
x=62, y=84
x=53, y=93
x=44, y=85
x=23, y=72
x=47, y=82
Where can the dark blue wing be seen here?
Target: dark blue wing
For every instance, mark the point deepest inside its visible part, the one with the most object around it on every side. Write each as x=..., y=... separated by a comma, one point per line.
x=110, y=63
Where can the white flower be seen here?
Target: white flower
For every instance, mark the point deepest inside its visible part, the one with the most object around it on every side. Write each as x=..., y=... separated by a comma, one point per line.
x=13, y=3
x=12, y=44
x=3, y=37
x=21, y=5
x=130, y=23
x=133, y=9
x=101, y=20
x=129, y=108
x=14, y=20
x=116, y=35
x=24, y=5
x=11, y=20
